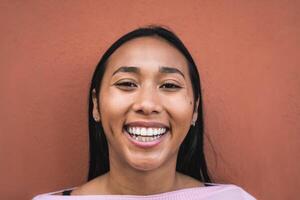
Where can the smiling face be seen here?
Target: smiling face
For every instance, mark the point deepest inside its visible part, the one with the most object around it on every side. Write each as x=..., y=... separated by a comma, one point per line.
x=146, y=104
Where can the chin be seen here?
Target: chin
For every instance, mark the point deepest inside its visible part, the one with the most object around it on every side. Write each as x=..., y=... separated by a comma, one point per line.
x=146, y=165
x=145, y=168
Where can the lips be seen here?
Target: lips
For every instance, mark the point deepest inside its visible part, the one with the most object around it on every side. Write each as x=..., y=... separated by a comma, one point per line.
x=146, y=134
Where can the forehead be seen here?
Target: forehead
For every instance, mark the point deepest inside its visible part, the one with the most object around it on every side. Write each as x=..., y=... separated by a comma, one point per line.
x=147, y=52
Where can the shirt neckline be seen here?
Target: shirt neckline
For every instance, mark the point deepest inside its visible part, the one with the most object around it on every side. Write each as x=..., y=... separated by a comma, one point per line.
x=206, y=185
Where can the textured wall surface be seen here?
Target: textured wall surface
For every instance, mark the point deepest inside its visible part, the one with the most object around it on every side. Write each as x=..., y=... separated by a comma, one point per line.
x=248, y=57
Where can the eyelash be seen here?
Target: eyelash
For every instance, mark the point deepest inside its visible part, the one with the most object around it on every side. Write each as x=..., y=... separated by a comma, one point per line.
x=171, y=86
x=128, y=85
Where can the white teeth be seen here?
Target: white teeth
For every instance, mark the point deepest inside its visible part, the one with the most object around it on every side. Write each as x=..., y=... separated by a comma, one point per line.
x=137, y=131
x=150, y=132
x=142, y=131
x=145, y=139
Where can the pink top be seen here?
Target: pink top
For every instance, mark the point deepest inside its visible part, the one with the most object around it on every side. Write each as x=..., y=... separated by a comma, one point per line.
x=215, y=192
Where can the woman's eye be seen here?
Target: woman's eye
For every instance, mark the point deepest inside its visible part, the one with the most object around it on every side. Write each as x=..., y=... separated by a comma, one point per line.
x=171, y=86
x=126, y=85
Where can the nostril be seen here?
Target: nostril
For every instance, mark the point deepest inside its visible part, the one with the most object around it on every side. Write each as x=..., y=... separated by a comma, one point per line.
x=147, y=109
x=147, y=102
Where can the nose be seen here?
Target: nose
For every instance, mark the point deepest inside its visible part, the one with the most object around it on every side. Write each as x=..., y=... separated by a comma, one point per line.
x=147, y=102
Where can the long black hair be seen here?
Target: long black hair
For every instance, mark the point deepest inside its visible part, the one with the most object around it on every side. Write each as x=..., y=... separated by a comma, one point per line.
x=191, y=159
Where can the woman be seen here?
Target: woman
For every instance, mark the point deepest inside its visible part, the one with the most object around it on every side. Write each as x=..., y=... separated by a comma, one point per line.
x=146, y=126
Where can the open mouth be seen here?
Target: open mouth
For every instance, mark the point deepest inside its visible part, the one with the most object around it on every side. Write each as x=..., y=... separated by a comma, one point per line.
x=145, y=134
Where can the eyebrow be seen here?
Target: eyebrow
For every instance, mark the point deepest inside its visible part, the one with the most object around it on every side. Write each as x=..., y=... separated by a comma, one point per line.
x=129, y=69
x=162, y=69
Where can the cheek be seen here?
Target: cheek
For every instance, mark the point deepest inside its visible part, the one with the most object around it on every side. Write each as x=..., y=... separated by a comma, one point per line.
x=113, y=109
x=180, y=108
x=112, y=103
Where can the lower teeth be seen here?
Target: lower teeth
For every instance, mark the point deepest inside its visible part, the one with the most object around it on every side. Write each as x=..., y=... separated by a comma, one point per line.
x=145, y=139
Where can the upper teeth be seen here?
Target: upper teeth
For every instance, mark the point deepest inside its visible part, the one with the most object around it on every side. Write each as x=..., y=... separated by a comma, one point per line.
x=142, y=131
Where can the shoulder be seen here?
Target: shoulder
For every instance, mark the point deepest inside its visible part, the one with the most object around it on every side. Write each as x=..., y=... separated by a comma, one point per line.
x=90, y=188
x=93, y=187
x=225, y=192
x=184, y=181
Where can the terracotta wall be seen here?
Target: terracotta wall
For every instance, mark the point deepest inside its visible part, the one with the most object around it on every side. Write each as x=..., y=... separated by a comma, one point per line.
x=248, y=56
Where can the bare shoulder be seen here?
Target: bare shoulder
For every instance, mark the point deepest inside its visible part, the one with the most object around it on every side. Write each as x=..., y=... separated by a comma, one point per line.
x=93, y=187
x=185, y=181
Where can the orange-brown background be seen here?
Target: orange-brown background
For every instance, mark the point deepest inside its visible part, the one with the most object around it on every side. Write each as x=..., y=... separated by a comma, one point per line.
x=248, y=57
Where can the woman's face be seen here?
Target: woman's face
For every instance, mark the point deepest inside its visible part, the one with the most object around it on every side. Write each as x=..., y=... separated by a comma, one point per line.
x=145, y=103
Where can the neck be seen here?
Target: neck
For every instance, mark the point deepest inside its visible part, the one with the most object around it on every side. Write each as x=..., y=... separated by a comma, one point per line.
x=126, y=180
